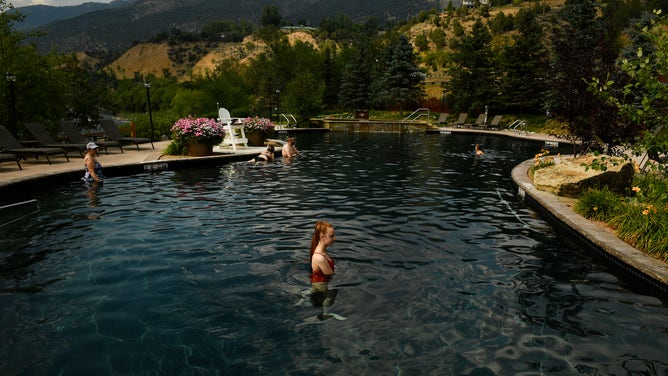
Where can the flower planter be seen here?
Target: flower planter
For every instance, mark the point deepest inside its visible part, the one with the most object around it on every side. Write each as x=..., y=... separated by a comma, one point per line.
x=199, y=149
x=256, y=138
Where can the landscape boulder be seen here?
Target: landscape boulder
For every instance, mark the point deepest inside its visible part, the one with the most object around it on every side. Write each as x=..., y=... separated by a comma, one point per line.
x=570, y=178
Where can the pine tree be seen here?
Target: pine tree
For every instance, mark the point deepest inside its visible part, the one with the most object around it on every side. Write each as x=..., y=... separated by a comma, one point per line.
x=582, y=49
x=523, y=63
x=473, y=71
x=356, y=80
x=398, y=76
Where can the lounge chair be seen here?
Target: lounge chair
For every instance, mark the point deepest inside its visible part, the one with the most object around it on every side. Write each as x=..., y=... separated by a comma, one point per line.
x=461, y=120
x=234, y=129
x=74, y=136
x=115, y=135
x=4, y=157
x=496, y=121
x=479, y=122
x=13, y=146
x=442, y=118
x=45, y=140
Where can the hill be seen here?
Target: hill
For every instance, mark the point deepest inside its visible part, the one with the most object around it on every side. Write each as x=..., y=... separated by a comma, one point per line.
x=185, y=59
x=40, y=15
x=111, y=31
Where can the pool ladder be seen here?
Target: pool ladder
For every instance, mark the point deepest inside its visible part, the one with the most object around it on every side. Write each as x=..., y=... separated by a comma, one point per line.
x=519, y=125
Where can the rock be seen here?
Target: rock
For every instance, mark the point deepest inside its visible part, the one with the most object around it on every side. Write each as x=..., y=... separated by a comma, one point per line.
x=569, y=178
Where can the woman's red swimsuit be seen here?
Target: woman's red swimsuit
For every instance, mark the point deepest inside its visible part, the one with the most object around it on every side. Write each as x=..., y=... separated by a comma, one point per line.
x=319, y=276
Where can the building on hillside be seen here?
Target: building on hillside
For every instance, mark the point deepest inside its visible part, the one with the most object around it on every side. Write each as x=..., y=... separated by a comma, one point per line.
x=472, y=3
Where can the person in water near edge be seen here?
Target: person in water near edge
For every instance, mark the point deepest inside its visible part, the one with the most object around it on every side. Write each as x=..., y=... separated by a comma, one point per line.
x=267, y=155
x=92, y=168
x=289, y=150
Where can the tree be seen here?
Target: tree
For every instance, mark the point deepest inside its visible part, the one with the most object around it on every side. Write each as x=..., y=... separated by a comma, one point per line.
x=398, y=78
x=641, y=100
x=356, y=78
x=523, y=64
x=226, y=87
x=581, y=48
x=303, y=97
x=271, y=16
x=473, y=72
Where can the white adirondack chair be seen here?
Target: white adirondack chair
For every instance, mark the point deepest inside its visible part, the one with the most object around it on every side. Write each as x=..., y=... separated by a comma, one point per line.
x=234, y=130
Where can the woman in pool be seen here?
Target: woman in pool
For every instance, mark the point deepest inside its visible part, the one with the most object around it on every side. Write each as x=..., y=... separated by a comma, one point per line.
x=322, y=265
x=267, y=155
x=322, y=269
x=92, y=168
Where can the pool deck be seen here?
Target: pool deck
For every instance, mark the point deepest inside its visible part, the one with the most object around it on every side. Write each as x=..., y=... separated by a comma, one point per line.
x=35, y=170
x=558, y=210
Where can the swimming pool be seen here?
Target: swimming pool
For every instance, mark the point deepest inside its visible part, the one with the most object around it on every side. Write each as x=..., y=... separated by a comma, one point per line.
x=441, y=269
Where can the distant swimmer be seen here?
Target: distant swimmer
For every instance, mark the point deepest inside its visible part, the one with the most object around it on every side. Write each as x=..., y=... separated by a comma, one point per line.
x=478, y=151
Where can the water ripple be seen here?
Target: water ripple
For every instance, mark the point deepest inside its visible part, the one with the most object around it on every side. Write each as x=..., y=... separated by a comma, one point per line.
x=440, y=270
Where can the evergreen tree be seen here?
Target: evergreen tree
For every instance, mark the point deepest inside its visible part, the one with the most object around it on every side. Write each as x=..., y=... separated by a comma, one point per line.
x=398, y=81
x=356, y=79
x=582, y=48
x=472, y=71
x=523, y=63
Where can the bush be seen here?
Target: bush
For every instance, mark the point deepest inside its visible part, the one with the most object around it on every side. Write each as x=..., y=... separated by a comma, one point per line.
x=639, y=219
x=599, y=205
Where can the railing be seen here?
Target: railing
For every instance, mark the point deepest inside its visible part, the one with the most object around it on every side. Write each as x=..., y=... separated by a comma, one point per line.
x=519, y=125
x=420, y=112
x=290, y=122
x=15, y=212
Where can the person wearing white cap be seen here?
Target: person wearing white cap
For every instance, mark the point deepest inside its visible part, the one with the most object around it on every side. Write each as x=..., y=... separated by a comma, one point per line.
x=92, y=168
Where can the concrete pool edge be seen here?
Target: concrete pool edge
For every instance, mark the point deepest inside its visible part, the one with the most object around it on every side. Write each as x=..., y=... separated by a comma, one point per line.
x=131, y=161
x=559, y=211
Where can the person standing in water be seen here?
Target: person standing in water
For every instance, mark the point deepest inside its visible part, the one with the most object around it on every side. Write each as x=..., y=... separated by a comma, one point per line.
x=322, y=269
x=289, y=150
x=92, y=168
x=322, y=265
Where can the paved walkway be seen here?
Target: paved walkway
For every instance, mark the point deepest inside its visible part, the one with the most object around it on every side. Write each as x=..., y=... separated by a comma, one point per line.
x=36, y=169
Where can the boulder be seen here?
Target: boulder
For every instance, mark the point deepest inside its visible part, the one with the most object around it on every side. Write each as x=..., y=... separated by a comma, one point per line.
x=569, y=178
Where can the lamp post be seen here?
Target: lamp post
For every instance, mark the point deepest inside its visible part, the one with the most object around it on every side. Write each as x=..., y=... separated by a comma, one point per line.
x=11, y=79
x=278, y=103
x=147, y=85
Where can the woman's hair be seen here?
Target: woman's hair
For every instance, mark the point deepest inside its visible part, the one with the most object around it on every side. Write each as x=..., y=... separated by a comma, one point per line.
x=320, y=228
x=270, y=148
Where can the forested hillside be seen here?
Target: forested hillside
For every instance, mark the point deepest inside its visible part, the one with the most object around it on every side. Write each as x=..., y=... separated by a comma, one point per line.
x=527, y=59
x=110, y=31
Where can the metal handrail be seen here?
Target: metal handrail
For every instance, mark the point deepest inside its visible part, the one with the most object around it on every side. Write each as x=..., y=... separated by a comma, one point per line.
x=519, y=123
x=417, y=114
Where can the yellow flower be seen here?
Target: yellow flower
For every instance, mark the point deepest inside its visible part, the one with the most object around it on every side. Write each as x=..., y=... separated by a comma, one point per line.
x=645, y=212
x=635, y=189
x=595, y=208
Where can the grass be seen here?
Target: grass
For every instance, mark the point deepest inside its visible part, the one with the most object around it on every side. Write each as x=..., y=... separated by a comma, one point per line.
x=640, y=218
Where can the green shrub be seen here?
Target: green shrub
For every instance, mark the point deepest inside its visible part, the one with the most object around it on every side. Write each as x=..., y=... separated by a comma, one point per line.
x=599, y=205
x=641, y=219
x=644, y=227
x=175, y=148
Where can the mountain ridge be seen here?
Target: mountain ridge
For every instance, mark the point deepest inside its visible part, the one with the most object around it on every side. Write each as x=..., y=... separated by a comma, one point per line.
x=107, y=31
x=41, y=15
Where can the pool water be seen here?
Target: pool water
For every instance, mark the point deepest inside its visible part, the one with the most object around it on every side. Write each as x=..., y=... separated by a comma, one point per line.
x=441, y=270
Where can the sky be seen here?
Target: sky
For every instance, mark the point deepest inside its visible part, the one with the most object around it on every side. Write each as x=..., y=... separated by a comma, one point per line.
x=57, y=3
